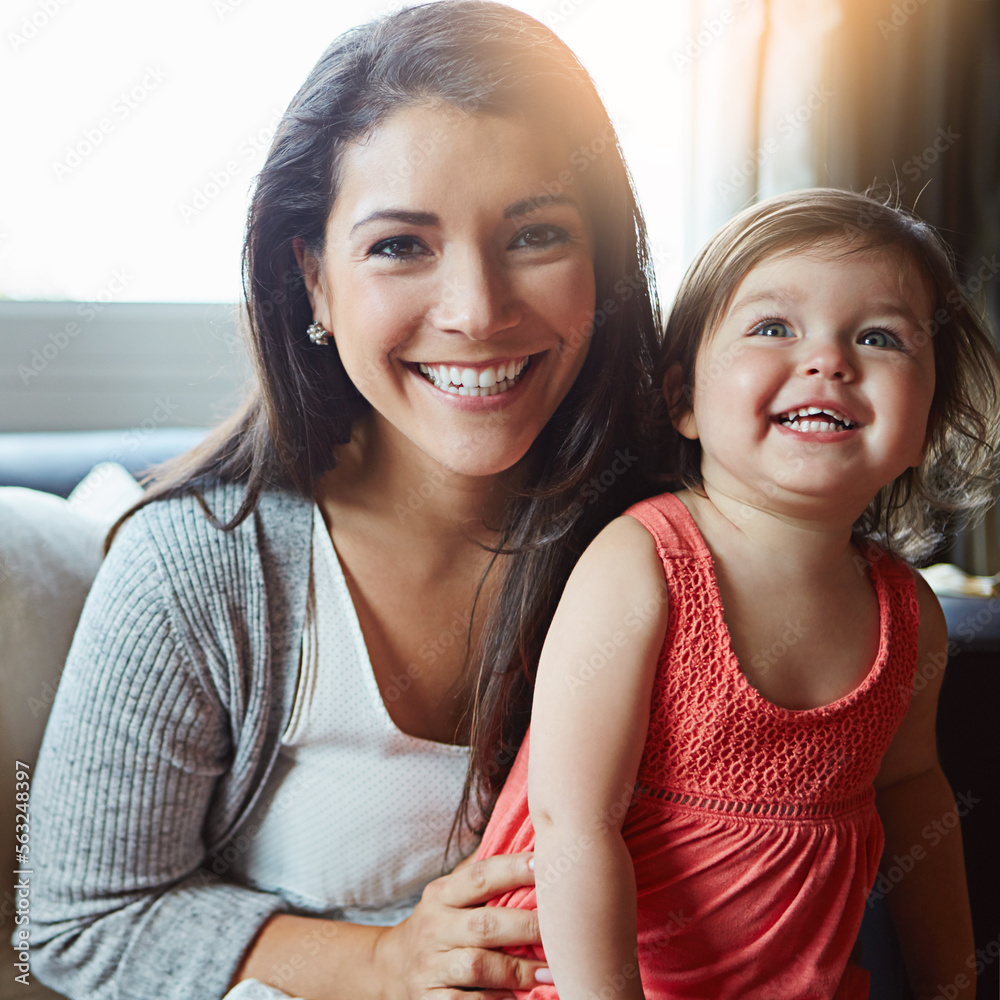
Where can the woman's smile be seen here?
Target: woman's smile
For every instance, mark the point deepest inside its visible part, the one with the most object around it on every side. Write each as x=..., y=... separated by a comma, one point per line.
x=461, y=380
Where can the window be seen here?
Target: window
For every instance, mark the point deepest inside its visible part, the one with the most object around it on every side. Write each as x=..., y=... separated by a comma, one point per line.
x=133, y=131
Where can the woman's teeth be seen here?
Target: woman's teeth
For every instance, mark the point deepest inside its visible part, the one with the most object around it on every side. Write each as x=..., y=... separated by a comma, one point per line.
x=797, y=420
x=473, y=382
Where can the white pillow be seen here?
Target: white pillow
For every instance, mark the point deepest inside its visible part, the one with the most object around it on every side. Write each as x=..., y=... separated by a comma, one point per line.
x=106, y=492
x=49, y=555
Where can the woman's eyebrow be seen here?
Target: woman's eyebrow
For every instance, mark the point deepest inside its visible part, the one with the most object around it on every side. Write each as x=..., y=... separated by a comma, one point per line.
x=402, y=215
x=528, y=205
x=411, y=218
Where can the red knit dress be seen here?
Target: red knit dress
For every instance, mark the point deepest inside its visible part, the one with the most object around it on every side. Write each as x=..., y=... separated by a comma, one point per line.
x=753, y=829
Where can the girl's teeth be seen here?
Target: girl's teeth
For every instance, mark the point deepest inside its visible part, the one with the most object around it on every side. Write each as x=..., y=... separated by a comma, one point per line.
x=797, y=420
x=806, y=426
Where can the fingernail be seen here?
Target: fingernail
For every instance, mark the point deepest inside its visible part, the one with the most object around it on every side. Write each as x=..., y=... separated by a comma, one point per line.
x=531, y=864
x=544, y=976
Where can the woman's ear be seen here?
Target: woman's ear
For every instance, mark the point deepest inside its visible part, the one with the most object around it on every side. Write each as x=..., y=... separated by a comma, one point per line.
x=312, y=274
x=680, y=402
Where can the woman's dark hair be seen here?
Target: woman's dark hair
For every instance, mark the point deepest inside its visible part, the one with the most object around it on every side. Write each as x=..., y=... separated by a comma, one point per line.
x=487, y=59
x=958, y=475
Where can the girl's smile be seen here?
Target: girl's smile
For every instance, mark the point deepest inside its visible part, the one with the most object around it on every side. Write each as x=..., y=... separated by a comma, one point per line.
x=459, y=293
x=818, y=379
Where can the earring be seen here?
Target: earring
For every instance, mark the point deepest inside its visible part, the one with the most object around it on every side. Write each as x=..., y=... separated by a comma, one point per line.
x=317, y=334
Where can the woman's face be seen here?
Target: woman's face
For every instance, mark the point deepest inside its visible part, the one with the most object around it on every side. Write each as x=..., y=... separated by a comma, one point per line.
x=457, y=281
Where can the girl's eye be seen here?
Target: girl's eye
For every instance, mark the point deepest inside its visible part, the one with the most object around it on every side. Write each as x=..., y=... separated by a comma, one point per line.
x=878, y=338
x=398, y=248
x=773, y=328
x=539, y=236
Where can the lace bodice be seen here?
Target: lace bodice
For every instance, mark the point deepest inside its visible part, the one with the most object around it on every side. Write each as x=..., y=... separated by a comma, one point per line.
x=712, y=735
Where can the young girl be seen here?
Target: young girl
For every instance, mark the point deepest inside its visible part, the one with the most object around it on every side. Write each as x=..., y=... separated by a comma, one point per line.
x=724, y=697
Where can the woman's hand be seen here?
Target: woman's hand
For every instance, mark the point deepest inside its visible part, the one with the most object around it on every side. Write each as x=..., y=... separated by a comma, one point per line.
x=448, y=945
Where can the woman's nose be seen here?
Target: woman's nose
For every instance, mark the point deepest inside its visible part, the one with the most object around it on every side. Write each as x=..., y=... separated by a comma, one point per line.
x=475, y=299
x=828, y=358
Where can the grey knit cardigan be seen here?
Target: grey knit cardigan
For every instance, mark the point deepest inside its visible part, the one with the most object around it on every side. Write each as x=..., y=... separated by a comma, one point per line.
x=164, y=728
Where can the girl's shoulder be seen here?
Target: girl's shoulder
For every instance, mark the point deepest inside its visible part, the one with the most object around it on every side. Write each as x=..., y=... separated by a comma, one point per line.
x=882, y=564
x=670, y=523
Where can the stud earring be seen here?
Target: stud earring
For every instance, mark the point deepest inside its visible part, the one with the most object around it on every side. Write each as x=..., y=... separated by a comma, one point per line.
x=317, y=334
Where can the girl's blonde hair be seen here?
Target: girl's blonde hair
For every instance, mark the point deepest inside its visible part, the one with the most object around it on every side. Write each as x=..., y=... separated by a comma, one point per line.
x=957, y=478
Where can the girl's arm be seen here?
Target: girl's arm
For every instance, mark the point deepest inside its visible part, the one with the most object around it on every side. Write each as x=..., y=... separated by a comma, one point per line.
x=588, y=726
x=930, y=903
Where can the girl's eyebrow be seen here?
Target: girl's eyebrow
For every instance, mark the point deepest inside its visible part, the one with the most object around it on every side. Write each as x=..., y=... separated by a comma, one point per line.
x=785, y=296
x=793, y=296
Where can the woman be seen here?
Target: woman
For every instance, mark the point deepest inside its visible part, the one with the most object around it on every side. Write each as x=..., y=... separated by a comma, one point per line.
x=294, y=640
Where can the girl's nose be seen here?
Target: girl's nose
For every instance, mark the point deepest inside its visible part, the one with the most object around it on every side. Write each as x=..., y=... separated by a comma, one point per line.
x=828, y=359
x=475, y=299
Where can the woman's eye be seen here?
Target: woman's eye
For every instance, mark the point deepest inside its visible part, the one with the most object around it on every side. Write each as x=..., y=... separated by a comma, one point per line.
x=540, y=236
x=398, y=248
x=878, y=338
x=773, y=328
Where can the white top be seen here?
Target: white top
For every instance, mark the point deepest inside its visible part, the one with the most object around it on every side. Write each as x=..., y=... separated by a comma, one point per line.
x=354, y=819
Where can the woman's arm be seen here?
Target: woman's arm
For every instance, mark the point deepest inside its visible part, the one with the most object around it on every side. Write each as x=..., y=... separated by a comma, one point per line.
x=588, y=726
x=138, y=745
x=930, y=903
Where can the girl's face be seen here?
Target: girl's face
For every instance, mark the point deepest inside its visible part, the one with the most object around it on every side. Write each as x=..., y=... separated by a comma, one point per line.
x=818, y=381
x=457, y=281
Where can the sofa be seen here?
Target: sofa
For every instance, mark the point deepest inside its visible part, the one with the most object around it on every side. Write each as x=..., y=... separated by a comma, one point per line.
x=51, y=545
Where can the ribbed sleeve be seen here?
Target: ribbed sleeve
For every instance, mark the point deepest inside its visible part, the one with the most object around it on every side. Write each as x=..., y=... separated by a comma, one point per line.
x=161, y=733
